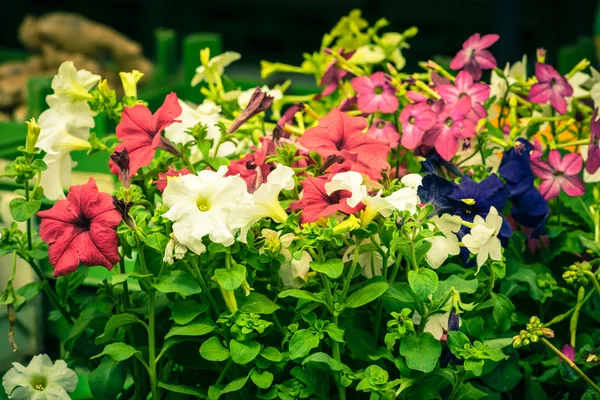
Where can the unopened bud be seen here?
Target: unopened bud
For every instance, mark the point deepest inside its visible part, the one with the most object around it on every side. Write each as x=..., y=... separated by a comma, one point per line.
x=129, y=81
x=12, y=320
x=350, y=224
x=33, y=133
x=123, y=208
x=541, y=55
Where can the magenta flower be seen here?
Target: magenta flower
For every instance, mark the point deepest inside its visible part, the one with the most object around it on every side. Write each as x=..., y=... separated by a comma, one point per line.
x=384, y=131
x=452, y=126
x=418, y=99
x=560, y=173
x=551, y=87
x=474, y=57
x=415, y=120
x=465, y=86
x=593, y=159
x=333, y=74
x=375, y=93
x=568, y=351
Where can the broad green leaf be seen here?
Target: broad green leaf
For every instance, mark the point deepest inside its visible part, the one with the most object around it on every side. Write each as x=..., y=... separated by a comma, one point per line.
x=361, y=343
x=470, y=392
x=271, y=354
x=332, y=268
x=457, y=341
x=120, y=278
x=257, y=303
x=213, y=350
x=590, y=245
x=118, y=351
x=108, y=379
x=157, y=241
x=243, y=352
x=114, y=323
x=194, y=329
x=184, y=312
x=423, y=283
x=498, y=343
x=183, y=389
x=502, y=312
x=366, y=294
x=302, y=343
x=421, y=352
x=327, y=360
x=22, y=210
x=475, y=366
x=506, y=376
x=177, y=281
x=28, y=292
x=335, y=333
x=459, y=284
x=215, y=391
x=301, y=294
x=232, y=278
x=262, y=380
x=529, y=277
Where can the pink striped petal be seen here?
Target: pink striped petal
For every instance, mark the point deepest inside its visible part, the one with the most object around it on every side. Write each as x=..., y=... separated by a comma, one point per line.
x=554, y=159
x=573, y=185
x=571, y=164
x=550, y=189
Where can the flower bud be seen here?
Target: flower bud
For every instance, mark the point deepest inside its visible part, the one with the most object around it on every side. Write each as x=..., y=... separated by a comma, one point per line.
x=259, y=102
x=33, y=133
x=230, y=301
x=541, y=55
x=121, y=159
x=123, y=208
x=129, y=81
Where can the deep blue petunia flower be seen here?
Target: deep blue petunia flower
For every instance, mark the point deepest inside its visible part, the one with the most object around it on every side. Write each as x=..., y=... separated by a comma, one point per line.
x=436, y=190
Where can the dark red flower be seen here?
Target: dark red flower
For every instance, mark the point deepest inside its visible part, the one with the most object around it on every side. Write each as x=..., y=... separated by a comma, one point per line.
x=315, y=203
x=338, y=131
x=81, y=230
x=259, y=102
x=333, y=74
x=140, y=133
x=162, y=181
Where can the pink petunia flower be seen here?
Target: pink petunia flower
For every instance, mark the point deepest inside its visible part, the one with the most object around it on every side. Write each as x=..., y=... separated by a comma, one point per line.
x=551, y=87
x=81, y=230
x=593, y=159
x=384, y=131
x=375, y=93
x=560, y=173
x=316, y=203
x=140, y=132
x=338, y=131
x=415, y=120
x=452, y=126
x=474, y=57
x=465, y=86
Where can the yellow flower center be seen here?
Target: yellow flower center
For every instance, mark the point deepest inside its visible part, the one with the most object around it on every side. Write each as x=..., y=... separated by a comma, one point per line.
x=469, y=202
x=39, y=383
x=203, y=204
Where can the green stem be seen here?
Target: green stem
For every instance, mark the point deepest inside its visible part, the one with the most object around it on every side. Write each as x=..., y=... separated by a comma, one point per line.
x=575, y=317
x=570, y=364
x=396, y=268
x=50, y=292
x=591, y=275
x=351, y=271
x=224, y=372
x=413, y=257
x=338, y=358
x=378, y=318
x=126, y=300
x=205, y=289
x=562, y=317
x=458, y=385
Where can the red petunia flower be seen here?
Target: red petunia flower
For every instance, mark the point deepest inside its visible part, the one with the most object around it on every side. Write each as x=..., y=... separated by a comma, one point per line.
x=163, y=177
x=140, y=133
x=338, y=131
x=81, y=230
x=316, y=203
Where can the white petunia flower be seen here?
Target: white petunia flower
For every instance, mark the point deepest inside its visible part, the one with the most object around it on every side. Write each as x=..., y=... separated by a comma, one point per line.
x=244, y=97
x=40, y=380
x=446, y=245
x=174, y=251
x=351, y=181
x=483, y=238
x=437, y=324
x=370, y=261
x=294, y=274
x=276, y=243
x=216, y=66
x=264, y=202
x=201, y=205
x=71, y=85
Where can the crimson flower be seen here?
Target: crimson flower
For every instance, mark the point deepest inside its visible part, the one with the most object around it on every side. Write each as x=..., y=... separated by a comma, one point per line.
x=333, y=74
x=465, y=86
x=560, y=173
x=474, y=57
x=415, y=120
x=81, y=230
x=384, y=131
x=140, y=132
x=551, y=87
x=593, y=159
x=316, y=203
x=338, y=131
x=163, y=177
x=375, y=93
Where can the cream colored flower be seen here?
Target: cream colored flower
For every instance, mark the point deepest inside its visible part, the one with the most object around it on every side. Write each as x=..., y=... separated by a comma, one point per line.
x=483, y=238
x=295, y=273
x=215, y=66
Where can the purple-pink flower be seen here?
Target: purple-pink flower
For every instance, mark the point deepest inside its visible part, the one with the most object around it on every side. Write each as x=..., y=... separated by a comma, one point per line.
x=551, y=87
x=333, y=74
x=415, y=120
x=560, y=173
x=465, y=86
x=593, y=158
x=568, y=351
x=384, y=131
x=375, y=93
x=474, y=57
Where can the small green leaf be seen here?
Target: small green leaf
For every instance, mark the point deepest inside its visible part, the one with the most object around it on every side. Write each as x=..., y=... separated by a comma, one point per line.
x=22, y=210
x=243, y=352
x=215, y=391
x=183, y=389
x=120, y=278
x=193, y=329
x=271, y=354
x=460, y=285
x=423, y=283
x=457, y=341
x=421, y=352
x=114, y=323
x=257, y=303
x=332, y=268
x=327, y=360
x=177, y=281
x=108, y=379
x=213, y=350
x=183, y=312
x=118, y=351
x=157, y=241
x=301, y=294
x=502, y=312
x=232, y=278
x=366, y=294
x=335, y=333
x=262, y=380
x=302, y=343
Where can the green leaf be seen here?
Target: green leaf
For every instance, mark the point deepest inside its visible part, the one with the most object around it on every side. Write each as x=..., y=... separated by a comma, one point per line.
x=470, y=392
x=361, y=343
x=327, y=360
x=506, y=376
x=335, y=333
x=193, y=329
x=460, y=285
x=120, y=278
x=301, y=294
x=108, y=379
x=590, y=245
x=215, y=391
x=302, y=343
x=257, y=303
x=475, y=366
x=182, y=389
x=177, y=281
x=529, y=277
x=423, y=283
x=213, y=350
x=232, y=278
x=114, y=323
x=503, y=310
x=457, y=341
x=183, y=312
x=243, y=352
x=262, y=380
x=498, y=343
x=421, y=352
x=22, y=210
x=366, y=294
x=332, y=268
x=28, y=292
x=118, y=351
x=157, y=241
x=271, y=354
